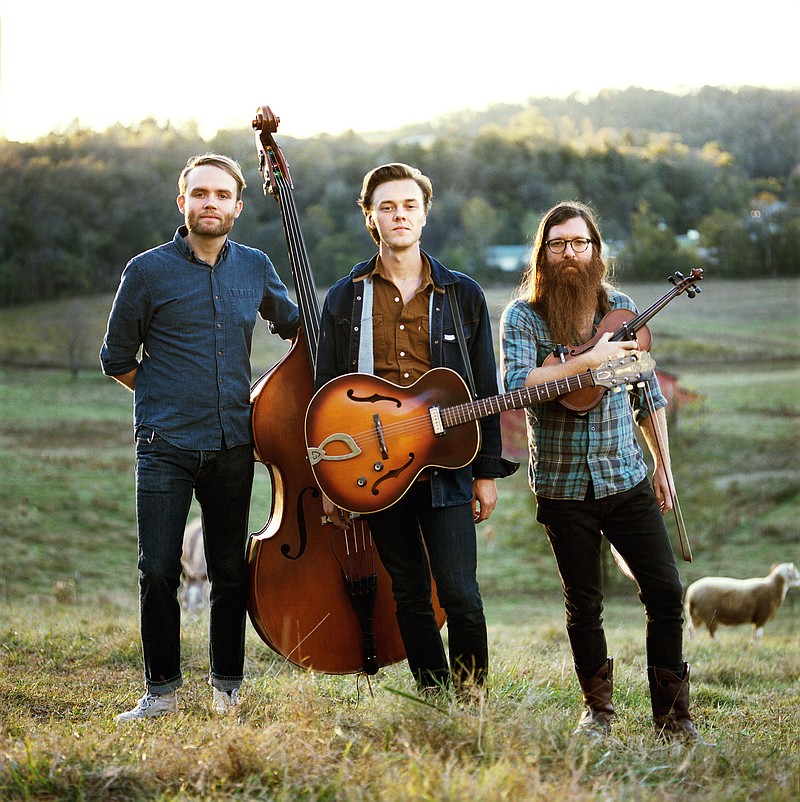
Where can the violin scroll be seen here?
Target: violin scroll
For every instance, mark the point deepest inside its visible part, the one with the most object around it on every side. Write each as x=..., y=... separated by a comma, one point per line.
x=688, y=284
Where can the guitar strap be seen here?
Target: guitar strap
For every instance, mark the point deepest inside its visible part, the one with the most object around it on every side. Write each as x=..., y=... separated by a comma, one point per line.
x=462, y=342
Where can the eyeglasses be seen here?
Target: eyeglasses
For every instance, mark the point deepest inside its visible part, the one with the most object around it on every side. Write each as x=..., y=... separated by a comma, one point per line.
x=579, y=244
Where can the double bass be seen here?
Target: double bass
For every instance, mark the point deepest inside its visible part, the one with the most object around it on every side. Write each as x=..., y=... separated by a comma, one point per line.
x=319, y=596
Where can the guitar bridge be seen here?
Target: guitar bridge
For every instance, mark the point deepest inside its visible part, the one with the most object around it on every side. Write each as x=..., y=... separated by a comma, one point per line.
x=436, y=421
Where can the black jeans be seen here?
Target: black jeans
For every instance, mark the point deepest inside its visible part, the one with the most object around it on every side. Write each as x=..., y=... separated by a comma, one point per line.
x=402, y=533
x=633, y=523
x=166, y=478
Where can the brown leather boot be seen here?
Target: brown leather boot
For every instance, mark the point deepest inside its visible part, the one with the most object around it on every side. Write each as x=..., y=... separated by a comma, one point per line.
x=598, y=707
x=669, y=694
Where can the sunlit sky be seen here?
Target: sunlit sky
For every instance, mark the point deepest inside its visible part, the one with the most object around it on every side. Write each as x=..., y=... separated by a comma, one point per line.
x=367, y=66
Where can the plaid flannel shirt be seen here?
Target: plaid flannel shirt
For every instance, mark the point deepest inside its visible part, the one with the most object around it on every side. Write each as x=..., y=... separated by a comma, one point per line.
x=568, y=450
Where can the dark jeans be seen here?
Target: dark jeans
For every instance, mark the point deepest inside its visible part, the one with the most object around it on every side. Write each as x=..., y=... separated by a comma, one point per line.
x=633, y=523
x=402, y=533
x=166, y=478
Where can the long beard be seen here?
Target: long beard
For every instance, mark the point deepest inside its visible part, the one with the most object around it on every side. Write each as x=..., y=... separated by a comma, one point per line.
x=569, y=299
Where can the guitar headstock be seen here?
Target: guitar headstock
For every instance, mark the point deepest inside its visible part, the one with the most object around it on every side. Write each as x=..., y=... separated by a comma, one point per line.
x=687, y=284
x=635, y=366
x=271, y=162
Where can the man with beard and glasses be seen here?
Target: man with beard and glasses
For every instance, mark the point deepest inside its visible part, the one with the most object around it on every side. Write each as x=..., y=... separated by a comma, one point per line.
x=589, y=473
x=179, y=336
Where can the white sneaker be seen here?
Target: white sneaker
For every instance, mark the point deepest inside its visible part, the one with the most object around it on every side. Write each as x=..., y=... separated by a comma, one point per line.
x=225, y=702
x=151, y=704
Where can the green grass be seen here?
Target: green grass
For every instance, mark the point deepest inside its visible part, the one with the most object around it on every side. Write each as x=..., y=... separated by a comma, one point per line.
x=70, y=652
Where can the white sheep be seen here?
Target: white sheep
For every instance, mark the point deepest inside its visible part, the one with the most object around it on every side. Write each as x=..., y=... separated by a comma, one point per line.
x=720, y=600
x=195, y=572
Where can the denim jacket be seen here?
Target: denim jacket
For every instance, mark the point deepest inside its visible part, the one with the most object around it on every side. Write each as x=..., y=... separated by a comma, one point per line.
x=338, y=350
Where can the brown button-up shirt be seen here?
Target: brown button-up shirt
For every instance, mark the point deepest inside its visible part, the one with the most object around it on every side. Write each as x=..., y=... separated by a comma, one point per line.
x=401, y=339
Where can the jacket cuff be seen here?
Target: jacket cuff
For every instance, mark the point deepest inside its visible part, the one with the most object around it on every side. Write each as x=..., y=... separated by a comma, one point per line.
x=486, y=467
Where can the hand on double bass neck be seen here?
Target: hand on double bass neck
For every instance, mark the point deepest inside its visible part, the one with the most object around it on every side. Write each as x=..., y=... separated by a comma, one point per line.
x=335, y=514
x=604, y=350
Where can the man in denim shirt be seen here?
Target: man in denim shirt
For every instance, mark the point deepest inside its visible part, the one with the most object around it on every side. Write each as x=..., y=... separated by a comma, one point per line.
x=588, y=471
x=179, y=336
x=391, y=316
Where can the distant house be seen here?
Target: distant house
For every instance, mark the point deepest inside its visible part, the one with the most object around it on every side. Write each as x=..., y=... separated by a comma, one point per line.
x=515, y=258
x=508, y=258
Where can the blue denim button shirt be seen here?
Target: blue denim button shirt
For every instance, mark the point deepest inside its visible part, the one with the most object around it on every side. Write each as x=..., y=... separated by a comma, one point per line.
x=194, y=326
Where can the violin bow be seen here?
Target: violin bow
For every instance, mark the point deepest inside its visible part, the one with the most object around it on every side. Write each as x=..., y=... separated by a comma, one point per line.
x=683, y=538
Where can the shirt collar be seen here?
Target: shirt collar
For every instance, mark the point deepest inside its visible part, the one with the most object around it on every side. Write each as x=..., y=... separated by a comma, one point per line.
x=379, y=270
x=183, y=246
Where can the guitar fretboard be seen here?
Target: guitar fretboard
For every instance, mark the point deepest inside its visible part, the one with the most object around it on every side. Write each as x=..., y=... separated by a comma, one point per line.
x=516, y=399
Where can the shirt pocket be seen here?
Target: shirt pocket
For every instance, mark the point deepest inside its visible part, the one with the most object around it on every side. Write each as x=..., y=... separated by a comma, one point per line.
x=244, y=306
x=380, y=337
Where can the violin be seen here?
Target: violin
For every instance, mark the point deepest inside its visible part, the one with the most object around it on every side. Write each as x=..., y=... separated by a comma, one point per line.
x=624, y=325
x=318, y=595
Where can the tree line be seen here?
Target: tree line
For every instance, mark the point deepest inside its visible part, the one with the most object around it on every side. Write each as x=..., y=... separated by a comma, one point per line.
x=708, y=179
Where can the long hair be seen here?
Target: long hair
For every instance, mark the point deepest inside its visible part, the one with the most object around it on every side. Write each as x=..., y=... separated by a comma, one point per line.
x=396, y=171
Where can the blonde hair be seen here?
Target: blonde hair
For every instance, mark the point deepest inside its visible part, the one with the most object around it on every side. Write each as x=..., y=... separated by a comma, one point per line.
x=225, y=163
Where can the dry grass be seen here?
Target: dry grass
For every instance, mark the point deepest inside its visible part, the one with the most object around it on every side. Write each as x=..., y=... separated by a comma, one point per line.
x=69, y=643
x=68, y=670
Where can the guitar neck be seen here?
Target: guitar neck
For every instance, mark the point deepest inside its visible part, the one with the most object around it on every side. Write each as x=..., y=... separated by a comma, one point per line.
x=516, y=399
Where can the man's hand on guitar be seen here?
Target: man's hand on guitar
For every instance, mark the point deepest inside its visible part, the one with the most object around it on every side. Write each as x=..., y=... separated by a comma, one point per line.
x=484, y=498
x=606, y=350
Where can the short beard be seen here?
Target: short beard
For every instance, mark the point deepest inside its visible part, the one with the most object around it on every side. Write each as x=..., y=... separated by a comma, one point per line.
x=204, y=228
x=568, y=300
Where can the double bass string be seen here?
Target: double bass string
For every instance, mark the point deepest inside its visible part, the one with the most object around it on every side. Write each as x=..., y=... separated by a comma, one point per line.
x=303, y=279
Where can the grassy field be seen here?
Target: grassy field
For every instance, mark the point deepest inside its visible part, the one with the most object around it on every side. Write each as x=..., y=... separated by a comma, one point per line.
x=70, y=650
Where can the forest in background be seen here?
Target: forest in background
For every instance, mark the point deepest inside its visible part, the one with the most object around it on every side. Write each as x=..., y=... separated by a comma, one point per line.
x=711, y=178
